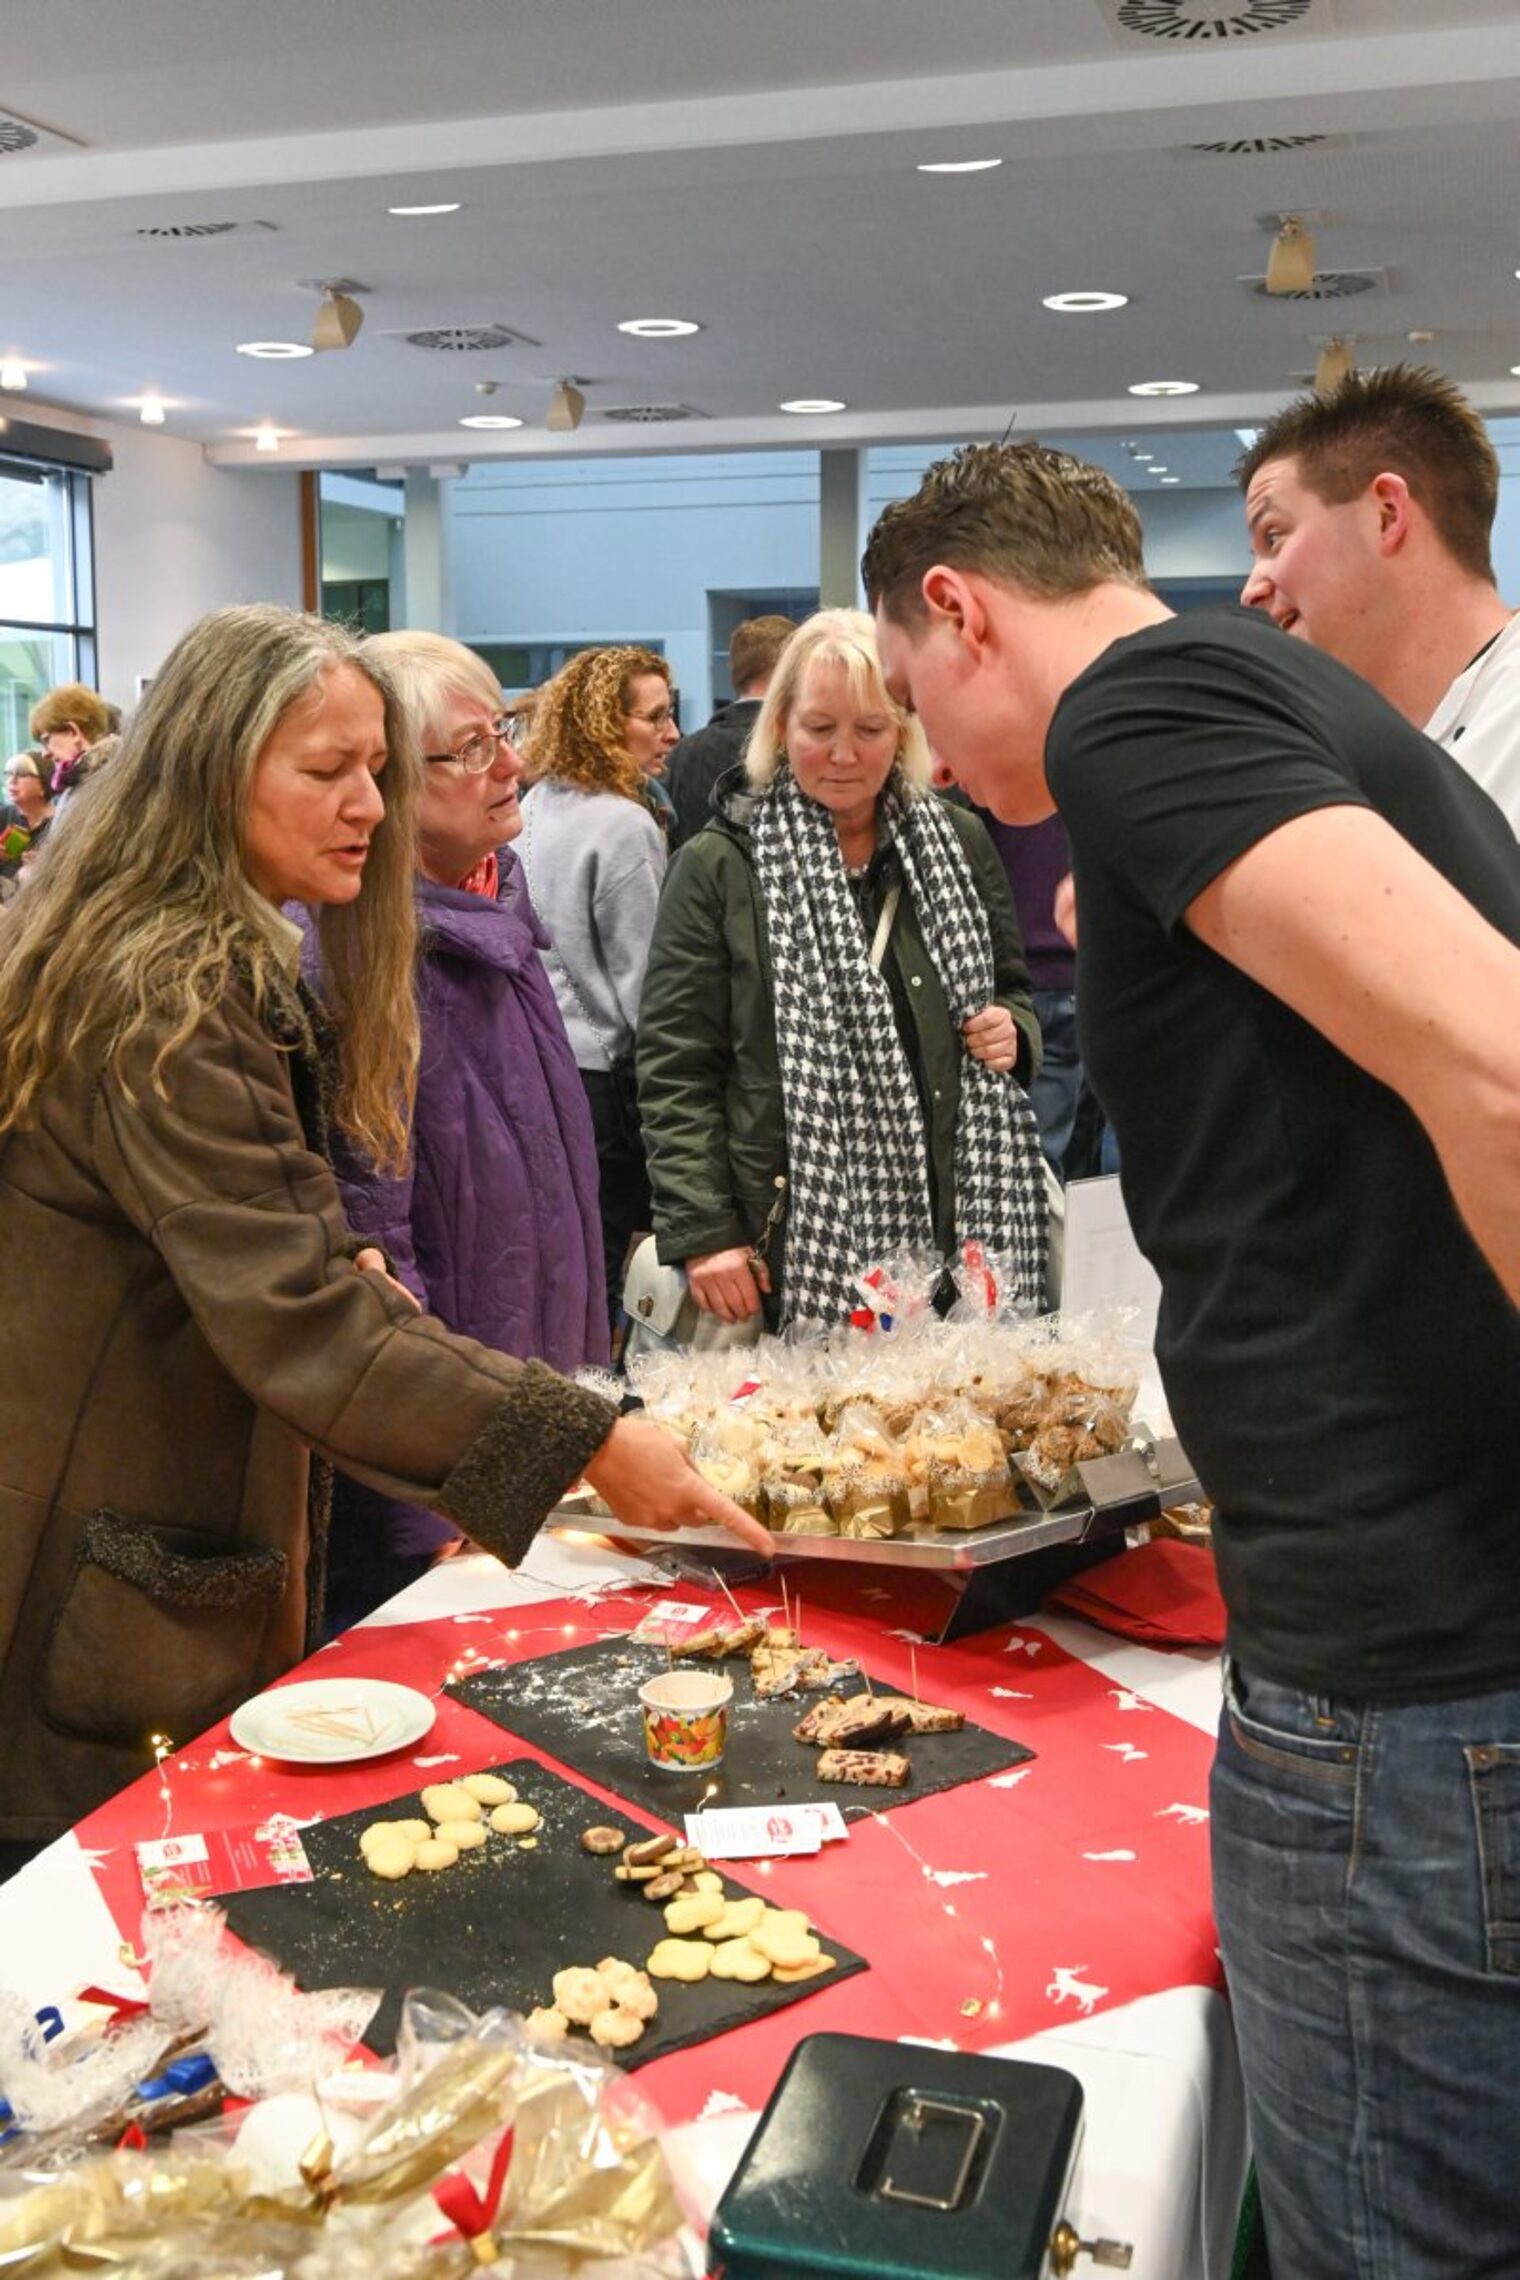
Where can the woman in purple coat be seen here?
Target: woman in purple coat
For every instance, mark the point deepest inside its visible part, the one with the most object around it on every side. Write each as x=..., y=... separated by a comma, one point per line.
x=495, y=1224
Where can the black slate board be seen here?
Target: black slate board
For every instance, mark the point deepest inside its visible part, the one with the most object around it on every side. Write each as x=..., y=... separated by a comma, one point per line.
x=582, y=1707
x=495, y=1927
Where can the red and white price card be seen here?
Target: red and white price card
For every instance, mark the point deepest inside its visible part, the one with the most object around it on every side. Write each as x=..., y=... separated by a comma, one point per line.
x=671, y=1622
x=764, y=1832
x=223, y=1860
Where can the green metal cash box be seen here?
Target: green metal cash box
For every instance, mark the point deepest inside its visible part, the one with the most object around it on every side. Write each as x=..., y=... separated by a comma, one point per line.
x=902, y=2163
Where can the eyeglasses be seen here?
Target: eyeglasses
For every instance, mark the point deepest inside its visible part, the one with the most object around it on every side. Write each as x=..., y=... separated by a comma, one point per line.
x=478, y=752
x=661, y=717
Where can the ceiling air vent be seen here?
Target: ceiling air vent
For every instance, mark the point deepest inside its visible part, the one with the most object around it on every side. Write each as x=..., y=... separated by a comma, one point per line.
x=17, y=136
x=1261, y=146
x=1197, y=20
x=468, y=340
x=1329, y=285
x=652, y=415
x=199, y=229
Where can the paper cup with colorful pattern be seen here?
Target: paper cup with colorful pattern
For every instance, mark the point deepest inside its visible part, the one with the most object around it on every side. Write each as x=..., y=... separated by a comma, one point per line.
x=686, y=1719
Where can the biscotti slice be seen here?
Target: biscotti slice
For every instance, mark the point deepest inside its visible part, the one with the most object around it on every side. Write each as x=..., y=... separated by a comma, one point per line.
x=814, y=1724
x=867, y=1718
x=925, y=1717
x=864, y=1769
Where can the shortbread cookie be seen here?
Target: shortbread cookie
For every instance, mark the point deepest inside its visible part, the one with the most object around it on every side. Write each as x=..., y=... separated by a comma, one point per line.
x=783, y=1937
x=391, y=1861
x=546, y=2025
x=450, y=1801
x=489, y=1788
x=738, y=1919
x=649, y=1850
x=464, y=1836
x=693, y=1914
x=741, y=1960
x=792, y=1974
x=435, y=1855
x=514, y=1819
x=602, y=1839
x=688, y=1960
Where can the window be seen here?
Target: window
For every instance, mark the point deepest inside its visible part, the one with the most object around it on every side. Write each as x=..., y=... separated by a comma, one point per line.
x=47, y=589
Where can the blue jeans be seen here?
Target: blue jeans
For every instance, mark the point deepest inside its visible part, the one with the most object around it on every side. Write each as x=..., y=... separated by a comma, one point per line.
x=1053, y=1094
x=1367, y=1892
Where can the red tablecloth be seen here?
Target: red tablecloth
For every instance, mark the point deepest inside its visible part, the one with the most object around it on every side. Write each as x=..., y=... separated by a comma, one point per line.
x=987, y=1912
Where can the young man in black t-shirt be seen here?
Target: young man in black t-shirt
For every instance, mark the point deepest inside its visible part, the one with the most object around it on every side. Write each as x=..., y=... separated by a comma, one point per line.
x=1299, y=995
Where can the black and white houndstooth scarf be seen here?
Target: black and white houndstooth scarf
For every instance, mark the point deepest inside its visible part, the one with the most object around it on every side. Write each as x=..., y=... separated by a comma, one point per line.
x=859, y=1178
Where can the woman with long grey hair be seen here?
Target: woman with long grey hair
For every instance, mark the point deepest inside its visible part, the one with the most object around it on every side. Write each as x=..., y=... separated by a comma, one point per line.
x=173, y=1239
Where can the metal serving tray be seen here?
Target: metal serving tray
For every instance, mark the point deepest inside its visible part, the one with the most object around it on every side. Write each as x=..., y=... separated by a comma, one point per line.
x=1116, y=1493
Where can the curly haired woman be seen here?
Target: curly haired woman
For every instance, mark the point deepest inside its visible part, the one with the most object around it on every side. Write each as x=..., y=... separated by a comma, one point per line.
x=594, y=856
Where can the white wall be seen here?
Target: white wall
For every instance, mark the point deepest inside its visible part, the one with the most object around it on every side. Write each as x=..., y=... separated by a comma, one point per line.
x=175, y=538
x=628, y=550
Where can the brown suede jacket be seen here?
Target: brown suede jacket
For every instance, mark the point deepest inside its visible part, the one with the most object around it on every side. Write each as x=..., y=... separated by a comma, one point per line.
x=182, y=1328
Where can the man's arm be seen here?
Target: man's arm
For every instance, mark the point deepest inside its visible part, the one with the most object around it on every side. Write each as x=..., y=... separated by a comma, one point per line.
x=1338, y=916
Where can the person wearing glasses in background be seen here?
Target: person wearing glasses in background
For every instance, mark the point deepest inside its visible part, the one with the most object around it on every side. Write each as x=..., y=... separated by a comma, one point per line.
x=594, y=854
x=25, y=813
x=493, y=1224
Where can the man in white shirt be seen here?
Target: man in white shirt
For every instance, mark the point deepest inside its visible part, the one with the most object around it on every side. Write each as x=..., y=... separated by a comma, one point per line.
x=1369, y=510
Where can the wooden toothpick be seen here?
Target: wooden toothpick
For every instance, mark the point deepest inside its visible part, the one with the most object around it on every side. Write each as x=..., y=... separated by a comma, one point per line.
x=728, y=1595
x=786, y=1612
x=797, y=1620
x=913, y=1666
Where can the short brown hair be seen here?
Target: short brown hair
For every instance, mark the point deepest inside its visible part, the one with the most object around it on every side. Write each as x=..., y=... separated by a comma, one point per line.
x=1405, y=420
x=71, y=705
x=754, y=647
x=1017, y=512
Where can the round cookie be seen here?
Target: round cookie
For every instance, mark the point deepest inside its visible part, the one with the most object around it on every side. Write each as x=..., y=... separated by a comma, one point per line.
x=581, y=1994
x=464, y=1836
x=450, y=1801
x=602, y=1839
x=513, y=1819
x=391, y=1861
x=489, y=1788
x=435, y=1854
x=688, y=1960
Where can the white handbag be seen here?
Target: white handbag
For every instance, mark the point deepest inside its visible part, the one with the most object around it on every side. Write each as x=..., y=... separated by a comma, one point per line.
x=662, y=1312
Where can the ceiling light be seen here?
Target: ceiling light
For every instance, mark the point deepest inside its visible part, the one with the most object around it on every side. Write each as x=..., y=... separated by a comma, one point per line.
x=444, y=208
x=1164, y=388
x=1515, y=371
x=958, y=165
x=1336, y=362
x=1085, y=304
x=12, y=374
x=1171, y=479
x=151, y=411
x=813, y=406
x=337, y=322
x=1290, y=264
x=658, y=328
x=490, y=420
x=266, y=439
x=274, y=348
x=567, y=408
x=1145, y=457
x=1157, y=468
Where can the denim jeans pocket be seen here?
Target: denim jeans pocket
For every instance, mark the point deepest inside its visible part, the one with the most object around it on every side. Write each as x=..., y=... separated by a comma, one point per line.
x=1493, y=1777
x=1290, y=1730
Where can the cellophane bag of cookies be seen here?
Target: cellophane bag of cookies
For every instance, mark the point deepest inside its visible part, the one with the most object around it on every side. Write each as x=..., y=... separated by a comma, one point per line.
x=867, y=1488
x=1081, y=1411
x=956, y=1458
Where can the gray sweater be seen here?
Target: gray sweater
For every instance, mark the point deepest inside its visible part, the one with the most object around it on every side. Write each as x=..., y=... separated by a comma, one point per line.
x=593, y=862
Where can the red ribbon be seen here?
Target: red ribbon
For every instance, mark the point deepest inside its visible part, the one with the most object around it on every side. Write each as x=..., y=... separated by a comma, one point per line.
x=469, y=2212
x=132, y=2139
x=120, y=2006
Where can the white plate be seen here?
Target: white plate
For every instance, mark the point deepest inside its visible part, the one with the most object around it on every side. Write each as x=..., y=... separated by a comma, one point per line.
x=332, y=1721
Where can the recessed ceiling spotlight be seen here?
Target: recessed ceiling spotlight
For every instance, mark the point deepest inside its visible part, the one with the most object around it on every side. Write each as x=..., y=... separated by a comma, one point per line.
x=274, y=348
x=1143, y=456
x=658, y=328
x=1157, y=468
x=1515, y=371
x=1171, y=479
x=958, y=165
x=812, y=406
x=151, y=411
x=446, y=207
x=12, y=374
x=490, y=420
x=1085, y=304
x=266, y=439
x=1164, y=388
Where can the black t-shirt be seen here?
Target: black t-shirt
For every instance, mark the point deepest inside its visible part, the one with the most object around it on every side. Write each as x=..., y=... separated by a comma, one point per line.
x=1342, y=1365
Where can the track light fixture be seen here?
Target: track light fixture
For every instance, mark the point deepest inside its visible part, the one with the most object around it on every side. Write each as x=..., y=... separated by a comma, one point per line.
x=567, y=408
x=1337, y=362
x=337, y=321
x=1290, y=264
